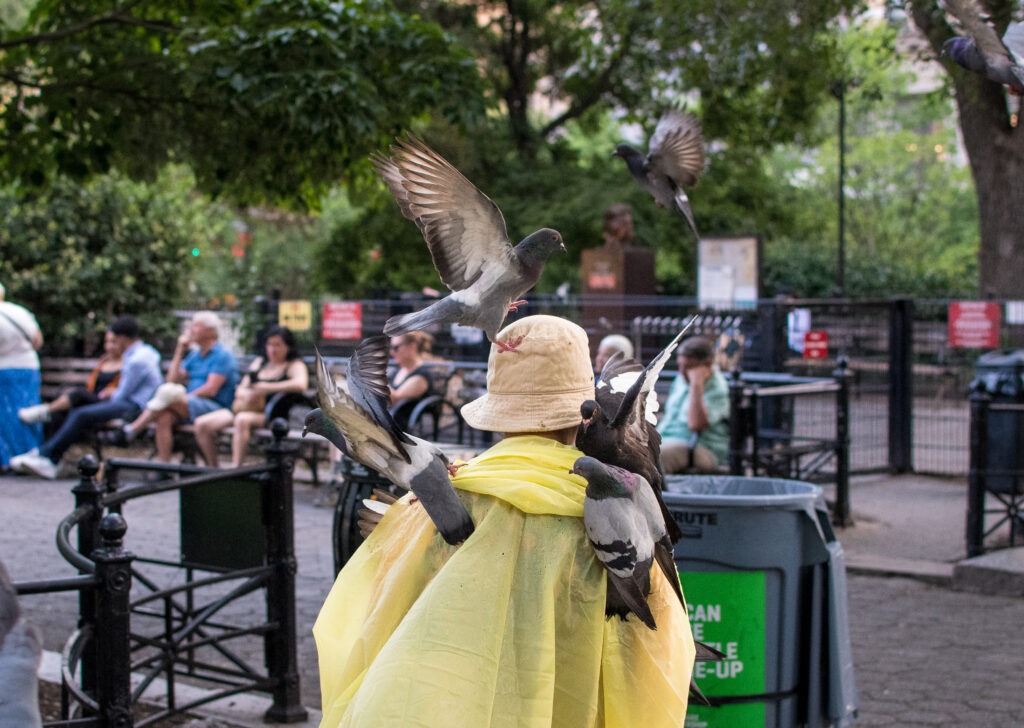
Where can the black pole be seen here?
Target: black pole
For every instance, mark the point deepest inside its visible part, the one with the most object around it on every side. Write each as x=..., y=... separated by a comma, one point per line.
x=113, y=624
x=87, y=492
x=839, y=91
x=737, y=424
x=842, y=514
x=901, y=385
x=280, y=644
x=976, y=479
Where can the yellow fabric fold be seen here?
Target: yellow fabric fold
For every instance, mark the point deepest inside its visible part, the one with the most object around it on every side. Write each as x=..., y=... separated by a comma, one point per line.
x=507, y=629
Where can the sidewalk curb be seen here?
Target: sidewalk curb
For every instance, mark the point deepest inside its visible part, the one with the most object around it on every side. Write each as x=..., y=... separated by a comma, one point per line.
x=930, y=572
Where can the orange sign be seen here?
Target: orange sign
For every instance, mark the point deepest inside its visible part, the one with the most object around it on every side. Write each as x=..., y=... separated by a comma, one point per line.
x=343, y=320
x=974, y=324
x=815, y=345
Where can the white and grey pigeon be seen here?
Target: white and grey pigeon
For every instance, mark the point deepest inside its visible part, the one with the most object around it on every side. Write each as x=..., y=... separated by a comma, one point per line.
x=468, y=243
x=21, y=648
x=624, y=523
x=358, y=423
x=674, y=161
x=999, y=60
x=619, y=426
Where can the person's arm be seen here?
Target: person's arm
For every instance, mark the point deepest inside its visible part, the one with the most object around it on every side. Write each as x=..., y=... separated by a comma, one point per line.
x=132, y=373
x=697, y=413
x=210, y=387
x=415, y=385
x=37, y=339
x=175, y=372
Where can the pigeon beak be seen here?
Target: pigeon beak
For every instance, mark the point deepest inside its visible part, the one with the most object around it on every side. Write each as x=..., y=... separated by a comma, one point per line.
x=562, y=246
x=304, y=430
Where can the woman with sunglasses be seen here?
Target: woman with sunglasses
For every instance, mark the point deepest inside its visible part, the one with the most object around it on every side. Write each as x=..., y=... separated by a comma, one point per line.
x=411, y=382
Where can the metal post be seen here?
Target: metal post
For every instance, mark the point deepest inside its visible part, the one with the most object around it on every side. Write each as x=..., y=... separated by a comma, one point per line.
x=737, y=424
x=113, y=623
x=839, y=91
x=976, y=479
x=280, y=645
x=88, y=493
x=841, y=514
x=901, y=385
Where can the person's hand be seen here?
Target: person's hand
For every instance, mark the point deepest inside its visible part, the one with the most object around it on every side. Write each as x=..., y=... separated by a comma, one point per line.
x=185, y=339
x=699, y=374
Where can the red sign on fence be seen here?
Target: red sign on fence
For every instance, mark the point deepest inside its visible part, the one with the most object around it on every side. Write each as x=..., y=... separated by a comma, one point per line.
x=815, y=345
x=974, y=324
x=343, y=320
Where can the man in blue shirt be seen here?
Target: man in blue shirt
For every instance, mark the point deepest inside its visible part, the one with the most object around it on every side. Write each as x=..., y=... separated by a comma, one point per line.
x=140, y=376
x=697, y=404
x=209, y=373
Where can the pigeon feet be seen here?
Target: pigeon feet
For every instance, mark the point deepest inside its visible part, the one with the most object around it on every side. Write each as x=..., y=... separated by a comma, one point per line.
x=453, y=468
x=514, y=306
x=509, y=345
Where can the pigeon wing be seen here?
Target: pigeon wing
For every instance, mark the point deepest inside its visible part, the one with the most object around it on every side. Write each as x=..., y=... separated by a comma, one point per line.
x=676, y=149
x=462, y=226
x=368, y=442
x=368, y=385
x=971, y=16
x=635, y=398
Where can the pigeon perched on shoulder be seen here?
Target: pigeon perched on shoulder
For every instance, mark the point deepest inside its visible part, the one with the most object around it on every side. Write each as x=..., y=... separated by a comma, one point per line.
x=675, y=160
x=360, y=425
x=625, y=526
x=468, y=243
x=999, y=60
x=618, y=426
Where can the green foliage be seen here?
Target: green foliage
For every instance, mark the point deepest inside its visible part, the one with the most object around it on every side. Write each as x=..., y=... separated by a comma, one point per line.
x=268, y=100
x=81, y=255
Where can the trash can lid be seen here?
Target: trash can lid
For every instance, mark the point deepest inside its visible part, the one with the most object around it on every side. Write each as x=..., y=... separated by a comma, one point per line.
x=1001, y=359
x=738, y=492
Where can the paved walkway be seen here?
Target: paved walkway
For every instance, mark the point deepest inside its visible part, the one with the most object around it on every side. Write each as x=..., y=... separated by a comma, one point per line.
x=924, y=654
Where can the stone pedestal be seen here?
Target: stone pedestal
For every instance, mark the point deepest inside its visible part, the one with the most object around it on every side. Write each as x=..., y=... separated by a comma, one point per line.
x=611, y=277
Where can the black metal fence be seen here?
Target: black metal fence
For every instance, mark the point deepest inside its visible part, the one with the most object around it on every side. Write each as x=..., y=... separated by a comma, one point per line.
x=173, y=620
x=908, y=392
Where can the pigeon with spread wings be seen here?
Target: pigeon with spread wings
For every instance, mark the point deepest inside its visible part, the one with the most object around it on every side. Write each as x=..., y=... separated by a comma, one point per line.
x=360, y=425
x=468, y=243
x=674, y=161
x=998, y=59
x=618, y=426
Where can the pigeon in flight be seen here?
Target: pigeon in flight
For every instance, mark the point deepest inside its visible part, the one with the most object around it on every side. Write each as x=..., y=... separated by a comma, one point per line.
x=983, y=52
x=625, y=526
x=675, y=159
x=360, y=425
x=618, y=426
x=468, y=243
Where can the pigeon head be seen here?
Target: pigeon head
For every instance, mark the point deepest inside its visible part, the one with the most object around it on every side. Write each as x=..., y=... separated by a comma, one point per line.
x=603, y=481
x=624, y=151
x=535, y=248
x=957, y=48
x=588, y=410
x=318, y=424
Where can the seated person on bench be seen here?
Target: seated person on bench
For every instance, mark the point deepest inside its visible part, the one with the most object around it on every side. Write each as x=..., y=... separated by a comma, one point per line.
x=411, y=382
x=211, y=373
x=140, y=376
x=696, y=413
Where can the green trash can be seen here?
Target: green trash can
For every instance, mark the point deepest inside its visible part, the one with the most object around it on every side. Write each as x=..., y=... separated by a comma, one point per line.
x=765, y=583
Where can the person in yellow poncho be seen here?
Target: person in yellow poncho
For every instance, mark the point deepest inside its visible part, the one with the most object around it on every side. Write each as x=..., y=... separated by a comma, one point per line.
x=508, y=628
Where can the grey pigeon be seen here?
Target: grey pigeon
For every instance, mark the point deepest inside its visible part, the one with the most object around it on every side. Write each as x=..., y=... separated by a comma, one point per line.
x=625, y=525
x=20, y=651
x=360, y=425
x=675, y=160
x=468, y=243
x=1001, y=61
x=618, y=426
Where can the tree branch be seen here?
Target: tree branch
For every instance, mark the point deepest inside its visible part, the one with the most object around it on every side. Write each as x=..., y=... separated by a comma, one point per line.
x=118, y=17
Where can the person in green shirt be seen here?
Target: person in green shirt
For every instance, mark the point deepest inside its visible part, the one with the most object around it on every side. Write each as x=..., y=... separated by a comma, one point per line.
x=697, y=404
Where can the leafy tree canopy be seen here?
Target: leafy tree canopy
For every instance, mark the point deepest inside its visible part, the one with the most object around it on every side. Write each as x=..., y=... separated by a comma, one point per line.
x=266, y=100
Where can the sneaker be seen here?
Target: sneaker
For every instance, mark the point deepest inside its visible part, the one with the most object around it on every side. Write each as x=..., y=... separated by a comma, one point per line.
x=123, y=435
x=17, y=461
x=35, y=413
x=38, y=465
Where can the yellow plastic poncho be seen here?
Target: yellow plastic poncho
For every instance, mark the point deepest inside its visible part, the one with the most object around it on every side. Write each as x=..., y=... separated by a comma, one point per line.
x=507, y=629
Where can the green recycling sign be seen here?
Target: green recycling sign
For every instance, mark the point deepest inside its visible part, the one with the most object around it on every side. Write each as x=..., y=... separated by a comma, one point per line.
x=727, y=611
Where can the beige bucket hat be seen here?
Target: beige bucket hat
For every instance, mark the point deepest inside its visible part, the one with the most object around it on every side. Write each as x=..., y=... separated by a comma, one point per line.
x=539, y=388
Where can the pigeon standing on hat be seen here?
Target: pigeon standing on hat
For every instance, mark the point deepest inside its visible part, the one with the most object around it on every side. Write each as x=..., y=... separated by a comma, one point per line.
x=360, y=425
x=468, y=243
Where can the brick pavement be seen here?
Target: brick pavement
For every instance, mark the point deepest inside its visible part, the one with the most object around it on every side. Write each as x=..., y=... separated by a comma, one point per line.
x=923, y=655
